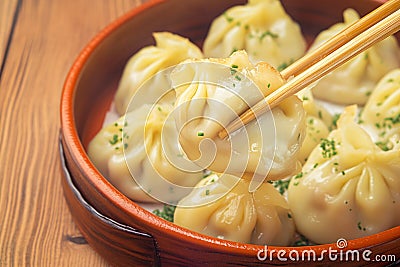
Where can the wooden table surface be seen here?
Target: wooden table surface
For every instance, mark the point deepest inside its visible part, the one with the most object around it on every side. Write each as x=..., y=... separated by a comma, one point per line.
x=39, y=40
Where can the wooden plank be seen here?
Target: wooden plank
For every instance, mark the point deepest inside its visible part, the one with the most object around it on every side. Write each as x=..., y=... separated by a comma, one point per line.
x=36, y=227
x=7, y=13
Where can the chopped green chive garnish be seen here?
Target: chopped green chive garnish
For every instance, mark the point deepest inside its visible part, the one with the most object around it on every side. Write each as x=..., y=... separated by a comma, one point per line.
x=114, y=140
x=328, y=148
x=227, y=17
x=281, y=185
x=268, y=33
x=166, y=213
x=360, y=227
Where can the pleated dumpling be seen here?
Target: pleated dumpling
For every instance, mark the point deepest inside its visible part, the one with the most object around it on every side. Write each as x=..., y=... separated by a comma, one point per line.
x=223, y=207
x=348, y=188
x=315, y=109
x=262, y=28
x=381, y=114
x=137, y=154
x=319, y=122
x=146, y=65
x=316, y=130
x=354, y=81
x=213, y=92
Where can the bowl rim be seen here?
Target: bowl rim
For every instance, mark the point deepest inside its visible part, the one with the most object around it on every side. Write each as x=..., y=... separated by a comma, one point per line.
x=74, y=145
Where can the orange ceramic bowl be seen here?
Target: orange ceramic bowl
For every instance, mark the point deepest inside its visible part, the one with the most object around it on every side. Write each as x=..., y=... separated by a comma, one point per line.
x=118, y=228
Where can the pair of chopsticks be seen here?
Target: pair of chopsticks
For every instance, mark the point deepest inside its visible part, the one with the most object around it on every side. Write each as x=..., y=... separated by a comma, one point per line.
x=356, y=38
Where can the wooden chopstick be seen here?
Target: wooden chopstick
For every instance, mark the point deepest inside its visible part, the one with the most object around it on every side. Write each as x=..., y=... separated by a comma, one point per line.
x=341, y=38
x=317, y=67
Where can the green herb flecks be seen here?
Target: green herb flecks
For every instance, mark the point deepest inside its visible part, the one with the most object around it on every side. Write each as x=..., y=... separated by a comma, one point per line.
x=234, y=69
x=234, y=50
x=206, y=173
x=359, y=115
x=227, y=17
x=328, y=148
x=320, y=114
x=302, y=241
x=393, y=120
x=360, y=227
x=387, y=123
x=296, y=177
x=114, y=139
x=385, y=146
x=284, y=65
x=166, y=213
x=335, y=119
x=268, y=33
x=281, y=185
x=118, y=139
x=336, y=165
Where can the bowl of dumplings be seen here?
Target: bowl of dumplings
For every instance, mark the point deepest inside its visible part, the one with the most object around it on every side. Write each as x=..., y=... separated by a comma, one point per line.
x=150, y=180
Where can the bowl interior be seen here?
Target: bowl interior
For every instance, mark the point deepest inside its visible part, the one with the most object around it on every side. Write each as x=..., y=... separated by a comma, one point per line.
x=103, y=60
x=101, y=73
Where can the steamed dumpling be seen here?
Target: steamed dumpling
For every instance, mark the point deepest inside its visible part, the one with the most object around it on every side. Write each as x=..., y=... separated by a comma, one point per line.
x=316, y=130
x=132, y=155
x=354, y=81
x=262, y=28
x=318, y=121
x=348, y=188
x=223, y=207
x=314, y=108
x=211, y=93
x=170, y=49
x=381, y=114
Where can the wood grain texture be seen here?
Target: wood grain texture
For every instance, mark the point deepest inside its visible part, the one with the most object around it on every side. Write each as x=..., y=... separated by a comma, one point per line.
x=36, y=228
x=7, y=15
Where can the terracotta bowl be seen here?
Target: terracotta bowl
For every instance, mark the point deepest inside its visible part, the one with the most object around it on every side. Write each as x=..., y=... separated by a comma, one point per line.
x=118, y=228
